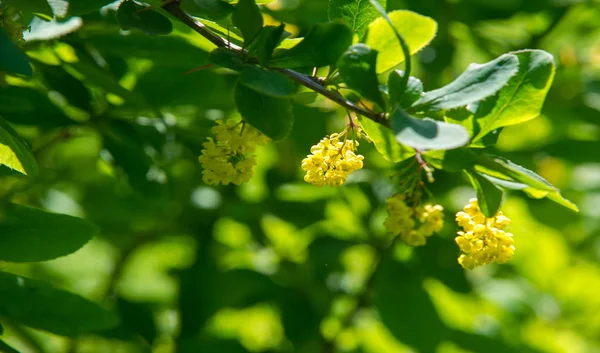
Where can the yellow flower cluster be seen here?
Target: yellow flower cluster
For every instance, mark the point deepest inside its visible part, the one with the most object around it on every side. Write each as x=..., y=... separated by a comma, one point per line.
x=228, y=158
x=331, y=161
x=483, y=240
x=403, y=219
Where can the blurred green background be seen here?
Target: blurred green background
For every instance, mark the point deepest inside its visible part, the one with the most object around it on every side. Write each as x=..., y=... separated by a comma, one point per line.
x=277, y=265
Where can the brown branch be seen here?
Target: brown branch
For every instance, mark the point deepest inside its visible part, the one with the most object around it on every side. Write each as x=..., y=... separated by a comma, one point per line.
x=173, y=7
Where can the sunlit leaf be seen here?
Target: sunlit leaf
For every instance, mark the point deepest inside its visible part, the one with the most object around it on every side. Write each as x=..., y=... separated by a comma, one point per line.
x=427, y=134
x=357, y=14
x=385, y=141
x=357, y=68
x=14, y=152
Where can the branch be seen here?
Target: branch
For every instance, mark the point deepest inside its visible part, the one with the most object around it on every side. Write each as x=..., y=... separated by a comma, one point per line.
x=173, y=7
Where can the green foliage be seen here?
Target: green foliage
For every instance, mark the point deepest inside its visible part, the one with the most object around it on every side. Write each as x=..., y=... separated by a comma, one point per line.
x=12, y=59
x=271, y=116
x=357, y=14
x=357, y=69
x=248, y=19
x=14, y=152
x=105, y=110
x=40, y=305
x=132, y=15
x=427, y=134
x=489, y=196
x=30, y=234
x=418, y=31
x=336, y=37
x=475, y=84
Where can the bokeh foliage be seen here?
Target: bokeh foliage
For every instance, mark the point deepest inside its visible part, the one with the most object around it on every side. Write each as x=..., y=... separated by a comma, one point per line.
x=115, y=113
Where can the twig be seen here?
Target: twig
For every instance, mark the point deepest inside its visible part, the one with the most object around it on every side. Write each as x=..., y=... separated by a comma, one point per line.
x=173, y=7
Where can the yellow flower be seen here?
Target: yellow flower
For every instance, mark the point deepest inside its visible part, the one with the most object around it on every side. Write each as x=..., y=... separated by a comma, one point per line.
x=331, y=161
x=228, y=157
x=402, y=220
x=482, y=240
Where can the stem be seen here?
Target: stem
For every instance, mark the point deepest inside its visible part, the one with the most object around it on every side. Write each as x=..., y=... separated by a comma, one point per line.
x=173, y=7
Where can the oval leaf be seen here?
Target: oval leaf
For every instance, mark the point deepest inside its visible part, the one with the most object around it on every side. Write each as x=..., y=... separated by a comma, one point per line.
x=271, y=116
x=413, y=91
x=14, y=152
x=427, y=134
x=489, y=196
x=37, y=304
x=322, y=46
x=357, y=14
x=270, y=83
x=248, y=19
x=523, y=97
x=476, y=83
x=357, y=68
x=30, y=234
x=132, y=15
x=384, y=140
x=417, y=31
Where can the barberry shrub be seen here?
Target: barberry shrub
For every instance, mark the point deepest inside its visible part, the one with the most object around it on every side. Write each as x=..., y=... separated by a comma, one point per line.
x=191, y=124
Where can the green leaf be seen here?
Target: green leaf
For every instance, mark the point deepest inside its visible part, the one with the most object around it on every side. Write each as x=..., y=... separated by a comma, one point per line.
x=416, y=29
x=489, y=196
x=427, y=134
x=248, y=19
x=357, y=69
x=384, y=140
x=30, y=6
x=270, y=83
x=357, y=14
x=499, y=175
x=499, y=167
x=29, y=234
x=14, y=152
x=322, y=46
x=132, y=15
x=272, y=116
x=452, y=160
x=413, y=91
x=39, y=305
x=211, y=9
x=61, y=81
x=522, y=98
x=83, y=7
x=5, y=347
x=12, y=59
x=28, y=106
x=227, y=58
x=266, y=42
x=476, y=83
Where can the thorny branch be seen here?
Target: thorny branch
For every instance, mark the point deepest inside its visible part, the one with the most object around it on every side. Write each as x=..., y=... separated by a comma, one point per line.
x=173, y=7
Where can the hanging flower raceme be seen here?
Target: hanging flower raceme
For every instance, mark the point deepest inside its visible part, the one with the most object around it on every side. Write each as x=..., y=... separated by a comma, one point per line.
x=229, y=158
x=413, y=224
x=483, y=240
x=331, y=161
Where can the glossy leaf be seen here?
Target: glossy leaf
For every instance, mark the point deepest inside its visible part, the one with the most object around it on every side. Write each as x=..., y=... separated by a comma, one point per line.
x=211, y=9
x=12, y=59
x=416, y=29
x=270, y=83
x=14, y=152
x=522, y=98
x=48, y=30
x=322, y=46
x=248, y=19
x=357, y=69
x=357, y=14
x=132, y=15
x=427, y=134
x=384, y=140
x=413, y=91
x=489, y=196
x=452, y=160
x=29, y=234
x=39, y=305
x=272, y=116
x=476, y=83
